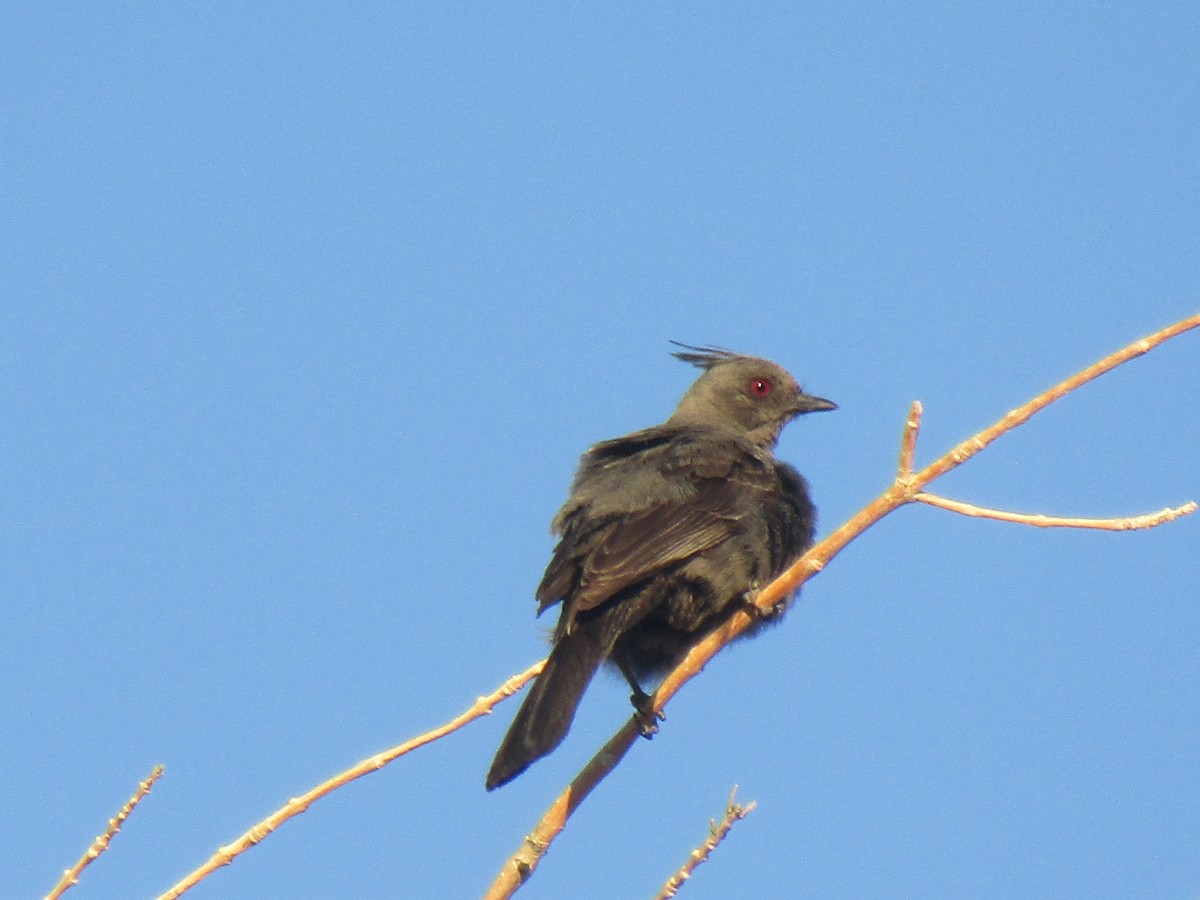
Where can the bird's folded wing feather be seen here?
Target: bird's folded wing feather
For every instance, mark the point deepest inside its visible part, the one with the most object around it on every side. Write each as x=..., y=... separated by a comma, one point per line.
x=605, y=548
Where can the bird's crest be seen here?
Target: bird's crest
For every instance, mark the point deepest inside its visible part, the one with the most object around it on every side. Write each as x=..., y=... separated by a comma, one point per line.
x=703, y=357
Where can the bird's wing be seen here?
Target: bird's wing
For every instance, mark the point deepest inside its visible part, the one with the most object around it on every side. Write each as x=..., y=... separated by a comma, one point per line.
x=637, y=546
x=682, y=507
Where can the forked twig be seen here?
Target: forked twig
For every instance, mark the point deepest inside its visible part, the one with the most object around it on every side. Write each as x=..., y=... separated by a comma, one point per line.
x=905, y=489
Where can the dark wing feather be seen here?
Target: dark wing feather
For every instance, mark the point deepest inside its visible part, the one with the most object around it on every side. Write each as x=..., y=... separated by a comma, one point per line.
x=637, y=546
x=663, y=519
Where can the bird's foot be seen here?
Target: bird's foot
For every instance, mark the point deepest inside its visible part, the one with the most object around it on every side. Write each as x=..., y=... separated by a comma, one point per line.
x=768, y=614
x=643, y=711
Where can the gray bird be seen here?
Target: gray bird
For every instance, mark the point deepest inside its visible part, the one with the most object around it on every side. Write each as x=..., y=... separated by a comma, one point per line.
x=666, y=533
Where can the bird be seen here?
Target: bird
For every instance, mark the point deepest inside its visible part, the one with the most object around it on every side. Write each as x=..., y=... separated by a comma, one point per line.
x=665, y=533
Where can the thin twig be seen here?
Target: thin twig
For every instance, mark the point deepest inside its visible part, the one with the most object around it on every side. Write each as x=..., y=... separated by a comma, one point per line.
x=225, y=855
x=1128, y=523
x=908, y=442
x=734, y=812
x=520, y=866
x=70, y=877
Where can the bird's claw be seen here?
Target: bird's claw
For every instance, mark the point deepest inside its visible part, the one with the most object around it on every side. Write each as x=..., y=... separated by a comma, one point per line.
x=644, y=712
x=771, y=613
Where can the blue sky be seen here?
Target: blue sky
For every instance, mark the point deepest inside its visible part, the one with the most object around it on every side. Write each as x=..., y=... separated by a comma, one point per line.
x=311, y=309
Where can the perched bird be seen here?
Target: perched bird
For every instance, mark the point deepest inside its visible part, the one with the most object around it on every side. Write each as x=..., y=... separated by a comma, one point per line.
x=665, y=534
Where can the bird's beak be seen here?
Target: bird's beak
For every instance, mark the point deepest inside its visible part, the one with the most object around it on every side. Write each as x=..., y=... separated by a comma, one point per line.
x=806, y=403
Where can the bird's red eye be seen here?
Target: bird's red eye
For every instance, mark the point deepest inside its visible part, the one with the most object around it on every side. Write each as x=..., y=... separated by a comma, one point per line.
x=760, y=387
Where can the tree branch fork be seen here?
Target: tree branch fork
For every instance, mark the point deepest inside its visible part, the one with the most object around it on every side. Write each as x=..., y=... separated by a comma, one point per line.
x=907, y=487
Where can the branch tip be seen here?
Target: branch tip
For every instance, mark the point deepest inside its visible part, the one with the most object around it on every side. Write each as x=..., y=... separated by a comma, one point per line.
x=717, y=832
x=908, y=442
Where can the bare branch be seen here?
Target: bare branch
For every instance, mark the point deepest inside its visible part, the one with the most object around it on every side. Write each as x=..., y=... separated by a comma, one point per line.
x=1128, y=523
x=901, y=493
x=734, y=812
x=225, y=855
x=70, y=877
x=905, y=489
x=519, y=867
x=521, y=864
x=1022, y=414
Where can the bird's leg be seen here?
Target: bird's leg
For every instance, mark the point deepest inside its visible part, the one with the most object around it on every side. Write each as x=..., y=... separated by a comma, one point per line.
x=643, y=703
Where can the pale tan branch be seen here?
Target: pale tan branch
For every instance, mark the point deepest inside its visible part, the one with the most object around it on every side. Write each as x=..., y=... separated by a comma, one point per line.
x=1021, y=414
x=1038, y=520
x=734, y=812
x=225, y=855
x=70, y=877
x=521, y=864
x=519, y=867
x=908, y=442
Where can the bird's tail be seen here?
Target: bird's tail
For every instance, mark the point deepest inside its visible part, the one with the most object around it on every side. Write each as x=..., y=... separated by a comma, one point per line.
x=544, y=717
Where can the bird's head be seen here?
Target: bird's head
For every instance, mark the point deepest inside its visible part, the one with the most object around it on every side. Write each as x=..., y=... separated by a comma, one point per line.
x=753, y=396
